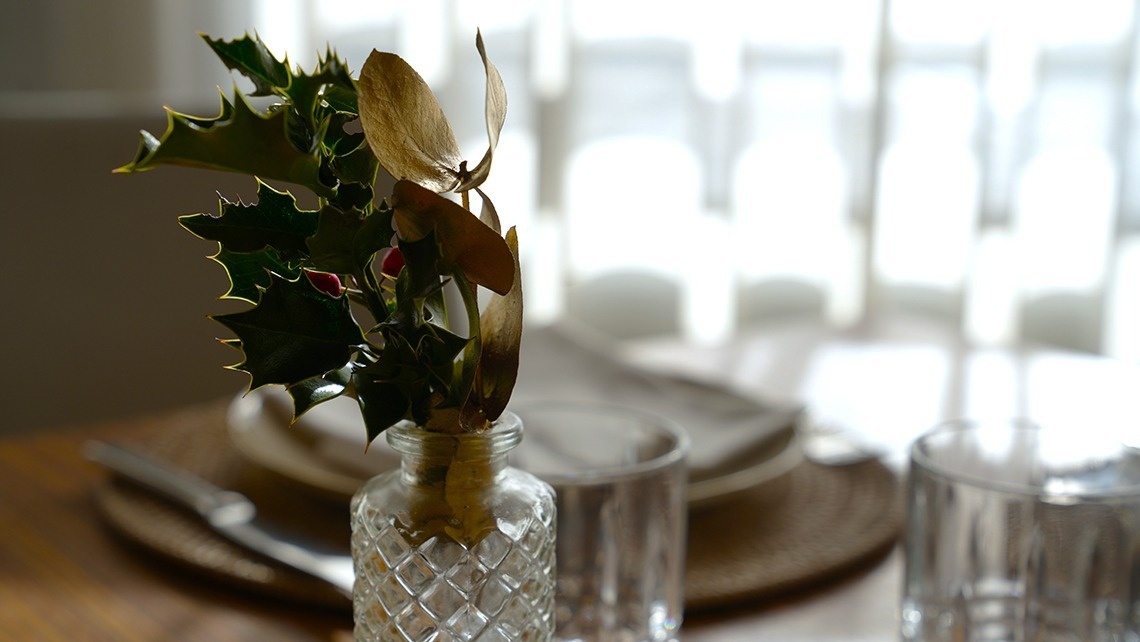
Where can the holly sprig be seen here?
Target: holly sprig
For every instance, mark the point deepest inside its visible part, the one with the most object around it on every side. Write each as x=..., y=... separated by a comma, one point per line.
x=328, y=316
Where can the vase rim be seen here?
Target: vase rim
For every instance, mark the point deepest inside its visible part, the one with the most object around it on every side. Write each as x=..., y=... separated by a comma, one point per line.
x=504, y=434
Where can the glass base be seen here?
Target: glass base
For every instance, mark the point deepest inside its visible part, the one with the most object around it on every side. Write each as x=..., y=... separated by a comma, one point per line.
x=498, y=590
x=994, y=619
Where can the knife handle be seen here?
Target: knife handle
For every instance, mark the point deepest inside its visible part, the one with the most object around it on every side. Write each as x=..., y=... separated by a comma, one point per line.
x=194, y=492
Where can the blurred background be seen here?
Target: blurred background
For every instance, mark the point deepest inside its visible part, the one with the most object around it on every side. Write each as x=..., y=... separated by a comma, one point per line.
x=674, y=168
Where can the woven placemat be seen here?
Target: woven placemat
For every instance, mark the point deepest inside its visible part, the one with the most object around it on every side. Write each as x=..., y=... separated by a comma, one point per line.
x=195, y=439
x=812, y=525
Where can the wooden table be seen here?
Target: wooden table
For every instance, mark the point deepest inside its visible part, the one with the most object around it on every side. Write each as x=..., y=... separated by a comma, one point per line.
x=64, y=575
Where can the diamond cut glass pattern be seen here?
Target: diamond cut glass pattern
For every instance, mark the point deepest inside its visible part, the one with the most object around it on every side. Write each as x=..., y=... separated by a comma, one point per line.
x=424, y=575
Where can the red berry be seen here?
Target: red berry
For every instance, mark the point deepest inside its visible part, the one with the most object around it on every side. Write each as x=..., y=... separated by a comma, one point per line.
x=325, y=282
x=392, y=262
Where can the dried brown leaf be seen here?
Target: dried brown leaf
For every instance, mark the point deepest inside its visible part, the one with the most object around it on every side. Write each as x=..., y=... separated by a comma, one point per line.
x=501, y=327
x=488, y=214
x=495, y=114
x=466, y=242
x=404, y=124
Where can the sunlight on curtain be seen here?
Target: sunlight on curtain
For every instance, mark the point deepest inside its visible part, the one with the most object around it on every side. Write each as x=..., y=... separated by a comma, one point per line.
x=744, y=161
x=789, y=224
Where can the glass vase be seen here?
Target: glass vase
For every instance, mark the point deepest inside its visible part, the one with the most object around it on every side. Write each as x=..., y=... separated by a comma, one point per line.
x=455, y=544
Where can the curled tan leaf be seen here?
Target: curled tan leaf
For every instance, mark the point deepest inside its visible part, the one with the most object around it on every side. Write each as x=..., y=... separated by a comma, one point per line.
x=464, y=240
x=500, y=328
x=404, y=124
x=495, y=114
x=488, y=214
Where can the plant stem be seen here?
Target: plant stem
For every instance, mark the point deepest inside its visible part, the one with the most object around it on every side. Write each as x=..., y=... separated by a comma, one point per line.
x=370, y=289
x=468, y=366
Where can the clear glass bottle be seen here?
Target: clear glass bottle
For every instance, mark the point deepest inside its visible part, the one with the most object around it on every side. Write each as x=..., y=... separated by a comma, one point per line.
x=456, y=544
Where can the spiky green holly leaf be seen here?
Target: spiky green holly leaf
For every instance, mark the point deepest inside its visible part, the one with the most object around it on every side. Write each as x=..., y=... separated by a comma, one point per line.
x=416, y=333
x=240, y=139
x=331, y=247
x=419, y=286
x=389, y=389
x=345, y=241
x=417, y=358
x=351, y=196
x=381, y=404
x=329, y=83
x=420, y=276
x=437, y=349
x=352, y=164
x=316, y=390
x=307, y=91
x=341, y=99
x=273, y=221
x=353, y=161
x=252, y=59
x=249, y=272
x=376, y=233
x=294, y=333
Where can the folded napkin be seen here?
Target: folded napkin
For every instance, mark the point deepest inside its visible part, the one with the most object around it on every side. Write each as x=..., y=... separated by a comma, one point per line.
x=729, y=432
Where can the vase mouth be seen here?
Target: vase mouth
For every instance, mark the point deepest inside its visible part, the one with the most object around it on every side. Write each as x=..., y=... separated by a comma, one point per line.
x=503, y=434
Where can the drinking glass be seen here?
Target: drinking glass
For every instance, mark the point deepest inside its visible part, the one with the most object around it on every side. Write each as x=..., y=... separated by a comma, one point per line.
x=620, y=478
x=1022, y=532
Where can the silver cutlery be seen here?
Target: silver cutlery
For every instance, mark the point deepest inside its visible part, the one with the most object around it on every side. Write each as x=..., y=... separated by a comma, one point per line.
x=229, y=513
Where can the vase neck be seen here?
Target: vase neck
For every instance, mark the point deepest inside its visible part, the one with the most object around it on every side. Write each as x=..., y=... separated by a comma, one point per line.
x=457, y=460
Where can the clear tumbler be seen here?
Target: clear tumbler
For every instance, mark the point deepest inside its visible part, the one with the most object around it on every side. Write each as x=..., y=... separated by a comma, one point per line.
x=620, y=479
x=1020, y=532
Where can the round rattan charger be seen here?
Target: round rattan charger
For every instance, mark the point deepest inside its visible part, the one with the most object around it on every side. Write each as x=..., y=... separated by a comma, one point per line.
x=814, y=524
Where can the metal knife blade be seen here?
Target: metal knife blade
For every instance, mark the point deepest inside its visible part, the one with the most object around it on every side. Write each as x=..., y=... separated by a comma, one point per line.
x=227, y=512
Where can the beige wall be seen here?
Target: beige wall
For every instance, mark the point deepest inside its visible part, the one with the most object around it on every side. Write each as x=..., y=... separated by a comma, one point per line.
x=105, y=297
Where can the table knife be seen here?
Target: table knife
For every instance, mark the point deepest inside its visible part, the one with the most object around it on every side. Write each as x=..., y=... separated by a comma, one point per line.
x=229, y=513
